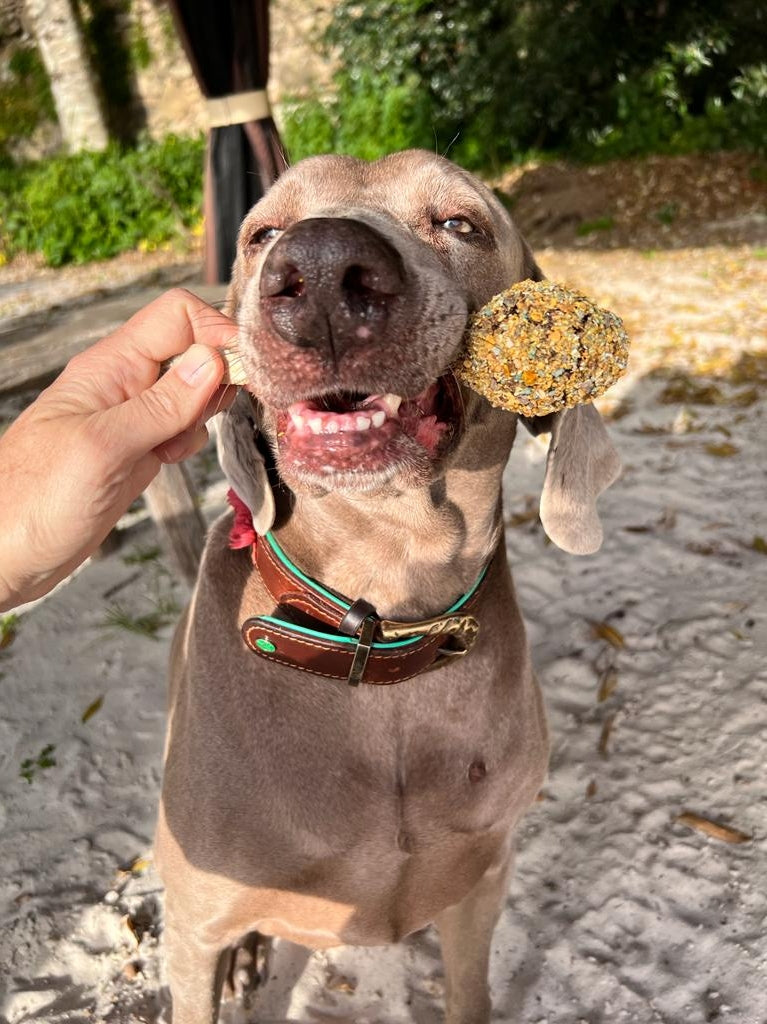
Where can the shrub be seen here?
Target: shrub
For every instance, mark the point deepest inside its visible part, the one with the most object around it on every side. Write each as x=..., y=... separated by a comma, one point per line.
x=412, y=73
x=94, y=205
x=497, y=80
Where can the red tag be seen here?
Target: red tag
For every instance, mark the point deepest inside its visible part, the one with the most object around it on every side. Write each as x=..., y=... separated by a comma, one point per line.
x=243, y=533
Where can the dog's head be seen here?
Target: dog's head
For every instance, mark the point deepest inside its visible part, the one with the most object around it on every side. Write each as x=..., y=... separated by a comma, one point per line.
x=352, y=285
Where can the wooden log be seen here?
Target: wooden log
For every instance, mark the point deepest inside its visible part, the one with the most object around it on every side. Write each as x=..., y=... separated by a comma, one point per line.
x=32, y=356
x=171, y=502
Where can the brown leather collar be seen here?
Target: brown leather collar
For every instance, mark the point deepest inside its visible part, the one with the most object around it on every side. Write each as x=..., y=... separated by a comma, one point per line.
x=358, y=646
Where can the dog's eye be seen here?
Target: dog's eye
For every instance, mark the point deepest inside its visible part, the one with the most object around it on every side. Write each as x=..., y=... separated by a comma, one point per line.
x=458, y=225
x=264, y=235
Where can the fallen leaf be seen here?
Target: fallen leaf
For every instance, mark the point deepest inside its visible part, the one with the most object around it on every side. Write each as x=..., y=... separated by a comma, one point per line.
x=129, y=925
x=650, y=429
x=723, y=450
x=604, y=736
x=683, y=389
x=712, y=828
x=607, y=632
x=132, y=970
x=140, y=865
x=529, y=513
x=759, y=544
x=591, y=790
x=608, y=684
x=702, y=549
x=340, y=983
x=92, y=708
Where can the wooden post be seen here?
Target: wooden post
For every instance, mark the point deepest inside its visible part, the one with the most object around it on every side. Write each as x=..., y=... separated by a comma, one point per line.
x=170, y=498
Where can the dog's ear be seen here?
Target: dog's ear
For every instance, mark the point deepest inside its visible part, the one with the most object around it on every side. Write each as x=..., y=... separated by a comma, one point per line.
x=237, y=430
x=581, y=463
x=242, y=462
x=532, y=272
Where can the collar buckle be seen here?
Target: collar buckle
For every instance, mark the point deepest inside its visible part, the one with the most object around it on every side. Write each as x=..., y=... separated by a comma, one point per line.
x=460, y=631
x=362, y=653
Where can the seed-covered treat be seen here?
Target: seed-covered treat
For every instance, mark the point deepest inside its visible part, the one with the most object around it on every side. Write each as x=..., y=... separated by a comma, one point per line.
x=537, y=348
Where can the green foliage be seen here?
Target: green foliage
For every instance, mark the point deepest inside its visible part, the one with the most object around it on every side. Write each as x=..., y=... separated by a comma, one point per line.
x=25, y=96
x=141, y=554
x=163, y=607
x=411, y=73
x=94, y=205
x=8, y=627
x=667, y=108
x=494, y=80
x=587, y=227
x=31, y=765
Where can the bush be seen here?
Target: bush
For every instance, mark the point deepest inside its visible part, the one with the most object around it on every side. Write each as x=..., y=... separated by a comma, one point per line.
x=95, y=205
x=655, y=109
x=494, y=81
x=412, y=73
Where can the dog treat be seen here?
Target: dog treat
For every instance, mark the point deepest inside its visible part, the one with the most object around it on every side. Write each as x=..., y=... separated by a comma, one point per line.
x=538, y=347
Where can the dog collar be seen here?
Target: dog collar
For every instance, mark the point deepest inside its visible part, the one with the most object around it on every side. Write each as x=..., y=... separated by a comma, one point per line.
x=358, y=646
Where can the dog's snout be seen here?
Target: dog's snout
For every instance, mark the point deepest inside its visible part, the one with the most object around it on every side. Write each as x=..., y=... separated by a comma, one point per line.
x=331, y=283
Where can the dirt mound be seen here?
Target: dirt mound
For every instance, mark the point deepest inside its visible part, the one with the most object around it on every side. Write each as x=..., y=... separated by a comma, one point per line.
x=656, y=203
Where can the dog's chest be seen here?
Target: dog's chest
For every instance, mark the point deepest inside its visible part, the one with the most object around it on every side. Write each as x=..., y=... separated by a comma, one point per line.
x=335, y=769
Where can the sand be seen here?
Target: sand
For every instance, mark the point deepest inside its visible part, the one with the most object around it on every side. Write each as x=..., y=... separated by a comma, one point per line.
x=617, y=912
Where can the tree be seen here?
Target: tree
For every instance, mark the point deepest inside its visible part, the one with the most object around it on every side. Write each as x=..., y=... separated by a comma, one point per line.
x=61, y=47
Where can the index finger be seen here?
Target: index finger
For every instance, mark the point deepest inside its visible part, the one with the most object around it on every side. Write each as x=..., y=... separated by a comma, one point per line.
x=163, y=329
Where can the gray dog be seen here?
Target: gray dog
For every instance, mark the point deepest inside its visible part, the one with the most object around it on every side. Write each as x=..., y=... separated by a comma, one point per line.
x=295, y=804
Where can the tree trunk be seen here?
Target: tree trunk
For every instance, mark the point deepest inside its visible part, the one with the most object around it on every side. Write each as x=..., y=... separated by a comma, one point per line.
x=170, y=500
x=63, y=52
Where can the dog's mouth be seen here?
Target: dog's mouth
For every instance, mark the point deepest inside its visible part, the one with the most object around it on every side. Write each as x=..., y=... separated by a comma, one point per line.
x=348, y=432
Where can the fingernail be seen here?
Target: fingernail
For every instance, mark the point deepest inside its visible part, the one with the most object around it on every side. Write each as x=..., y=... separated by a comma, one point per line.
x=198, y=365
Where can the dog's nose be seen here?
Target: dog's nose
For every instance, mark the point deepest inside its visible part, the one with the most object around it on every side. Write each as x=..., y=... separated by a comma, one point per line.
x=331, y=283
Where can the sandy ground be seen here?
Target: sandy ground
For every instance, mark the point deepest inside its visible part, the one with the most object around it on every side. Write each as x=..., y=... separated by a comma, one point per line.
x=652, y=658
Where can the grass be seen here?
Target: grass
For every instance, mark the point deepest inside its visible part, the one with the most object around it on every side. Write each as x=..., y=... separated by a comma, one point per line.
x=667, y=213
x=8, y=628
x=149, y=624
x=587, y=227
x=31, y=765
x=141, y=554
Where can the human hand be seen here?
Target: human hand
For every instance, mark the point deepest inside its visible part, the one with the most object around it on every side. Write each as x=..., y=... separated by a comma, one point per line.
x=76, y=458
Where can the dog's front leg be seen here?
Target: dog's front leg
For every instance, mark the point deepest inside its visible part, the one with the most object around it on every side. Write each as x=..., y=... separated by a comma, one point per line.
x=466, y=931
x=195, y=973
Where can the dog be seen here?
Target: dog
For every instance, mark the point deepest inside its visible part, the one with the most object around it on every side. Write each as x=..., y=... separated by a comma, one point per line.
x=295, y=804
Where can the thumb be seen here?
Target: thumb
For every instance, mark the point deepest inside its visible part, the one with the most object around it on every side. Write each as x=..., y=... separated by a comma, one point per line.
x=174, y=403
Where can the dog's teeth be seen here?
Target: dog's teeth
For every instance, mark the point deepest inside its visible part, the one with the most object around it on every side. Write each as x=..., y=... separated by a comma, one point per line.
x=392, y=403
x=363, y=423
x=331, y=427
x=298, y=420
x=315, y=425
x=378, y=418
